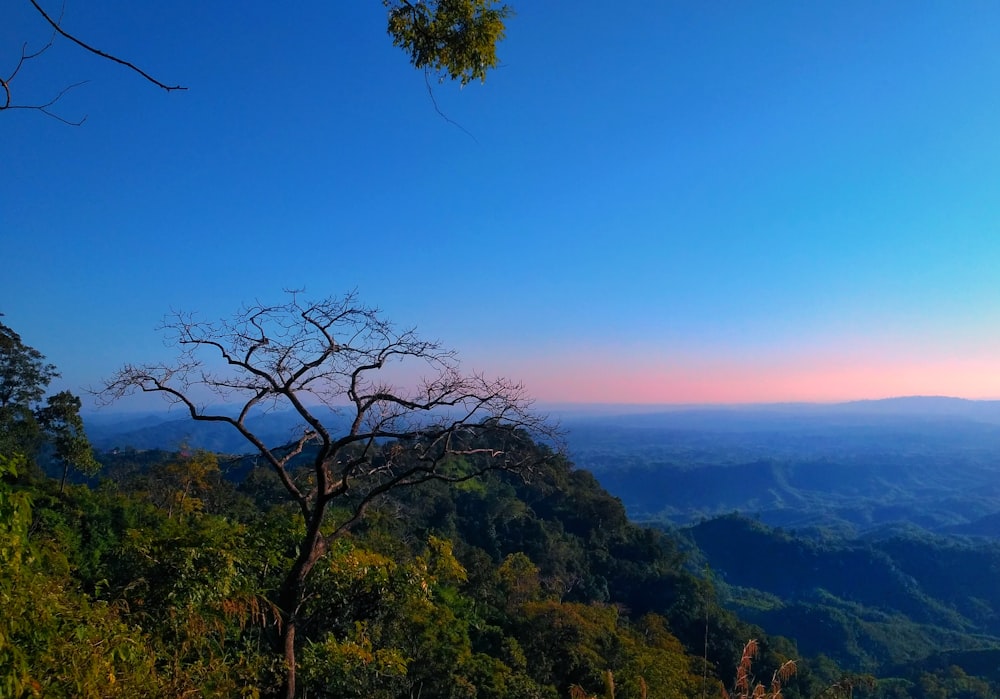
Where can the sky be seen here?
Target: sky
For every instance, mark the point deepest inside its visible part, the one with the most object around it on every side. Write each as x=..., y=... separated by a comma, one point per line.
x=648, y=202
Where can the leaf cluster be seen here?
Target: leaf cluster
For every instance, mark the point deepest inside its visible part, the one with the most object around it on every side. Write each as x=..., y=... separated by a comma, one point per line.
x=456, y=39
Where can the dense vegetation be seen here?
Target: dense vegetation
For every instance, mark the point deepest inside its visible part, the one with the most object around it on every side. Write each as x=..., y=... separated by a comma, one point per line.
x=161, y=575
x=160, y=584
x=160, y=581
x=885, y=605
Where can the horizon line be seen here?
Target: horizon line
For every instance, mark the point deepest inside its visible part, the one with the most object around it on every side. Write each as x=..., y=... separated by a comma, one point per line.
x=639, y=405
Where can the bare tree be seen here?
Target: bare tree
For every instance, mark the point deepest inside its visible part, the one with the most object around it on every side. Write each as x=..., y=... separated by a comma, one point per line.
x=332, y=354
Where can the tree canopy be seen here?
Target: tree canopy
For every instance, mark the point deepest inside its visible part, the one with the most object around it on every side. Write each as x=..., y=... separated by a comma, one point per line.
x=26, y=426
x=457, y=39
x=24, y=373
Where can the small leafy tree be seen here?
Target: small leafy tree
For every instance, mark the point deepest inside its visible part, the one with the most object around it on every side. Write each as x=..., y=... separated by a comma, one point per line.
x=181, y=486
x=24, y=376
x=24, y=373
x=334, y=355
x=24, y=424
x=61, y=422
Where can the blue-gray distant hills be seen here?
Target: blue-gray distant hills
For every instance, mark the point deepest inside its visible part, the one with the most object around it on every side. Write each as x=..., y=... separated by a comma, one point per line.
x=857, y=467
x=173, y=430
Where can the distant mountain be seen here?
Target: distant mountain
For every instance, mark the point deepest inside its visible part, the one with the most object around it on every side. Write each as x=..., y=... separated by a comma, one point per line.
x=988, y=526
x=727, y=416
x=978, y=410
x=927, y=461
x=167, y=430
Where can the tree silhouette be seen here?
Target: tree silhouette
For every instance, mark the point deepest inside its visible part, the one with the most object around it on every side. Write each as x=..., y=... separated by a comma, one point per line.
x=336, y=355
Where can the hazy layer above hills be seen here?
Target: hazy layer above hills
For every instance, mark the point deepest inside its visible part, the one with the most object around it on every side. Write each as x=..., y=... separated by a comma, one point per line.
x=855, y=467
x=927, y=461
x=172, y=430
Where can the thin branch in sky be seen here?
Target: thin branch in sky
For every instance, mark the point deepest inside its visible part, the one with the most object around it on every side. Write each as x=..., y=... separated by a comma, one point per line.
x=44, y=108
x=57, y=27
x=430, y=93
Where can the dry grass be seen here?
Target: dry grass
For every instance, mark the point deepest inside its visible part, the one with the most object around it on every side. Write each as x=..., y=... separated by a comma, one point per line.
x=747, y=686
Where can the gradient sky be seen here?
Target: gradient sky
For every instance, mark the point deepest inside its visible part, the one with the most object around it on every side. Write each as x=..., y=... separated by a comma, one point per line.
x=659, y=201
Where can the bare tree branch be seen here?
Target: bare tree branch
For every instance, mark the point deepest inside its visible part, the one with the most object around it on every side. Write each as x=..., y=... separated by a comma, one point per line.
x=56, y=26
x=6, y=91
x=44, y=108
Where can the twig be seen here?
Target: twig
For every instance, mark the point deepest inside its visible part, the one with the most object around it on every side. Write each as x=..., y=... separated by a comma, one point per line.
x=43, y=108
x=102, y=54
x=430, y=93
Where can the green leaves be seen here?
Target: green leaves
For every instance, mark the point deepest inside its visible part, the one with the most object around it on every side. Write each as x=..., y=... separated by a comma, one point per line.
x=54, y=640
x=61, y=422
x=24, y=373
x=456, y=39
x=25, y=427
x=353, y=667
x=15, y=518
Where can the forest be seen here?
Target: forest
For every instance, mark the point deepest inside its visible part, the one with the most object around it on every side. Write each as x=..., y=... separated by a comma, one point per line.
x=160, y=572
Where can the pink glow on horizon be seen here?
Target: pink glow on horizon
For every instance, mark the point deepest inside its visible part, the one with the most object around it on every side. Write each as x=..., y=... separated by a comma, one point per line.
x=722, y=380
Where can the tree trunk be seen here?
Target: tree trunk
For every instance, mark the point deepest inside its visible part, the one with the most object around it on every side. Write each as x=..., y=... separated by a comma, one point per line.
x=289, y=650
x=314, y=546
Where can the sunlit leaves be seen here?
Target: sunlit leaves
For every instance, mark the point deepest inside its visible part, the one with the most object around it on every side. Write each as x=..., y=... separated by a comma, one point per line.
x=54, y=640
x=24, y=373
x=60, y=420
x=457, y=39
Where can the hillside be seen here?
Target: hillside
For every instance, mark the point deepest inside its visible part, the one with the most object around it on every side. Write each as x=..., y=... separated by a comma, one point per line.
x=848, y=547
x=877, y=605
x=856, y=467
x=497, y=587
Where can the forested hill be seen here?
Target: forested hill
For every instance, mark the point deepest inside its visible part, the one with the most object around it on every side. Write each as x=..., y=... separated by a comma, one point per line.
x=163, y=576
x=884, y=605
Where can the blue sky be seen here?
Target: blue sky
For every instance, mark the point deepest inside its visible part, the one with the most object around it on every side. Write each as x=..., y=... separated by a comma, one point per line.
x=658, y=202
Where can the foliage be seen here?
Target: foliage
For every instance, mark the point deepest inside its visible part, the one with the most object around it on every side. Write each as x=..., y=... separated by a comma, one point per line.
x=56, y=641
x=24, y=376
x=502, y=587
x=25, y=425
x=575, y=645
x=61, y=422
x=395, y=610
x=453, y=38
x=24, y=373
